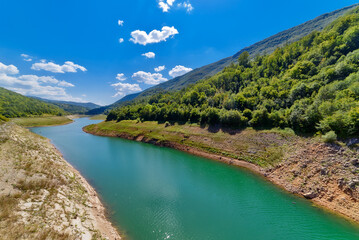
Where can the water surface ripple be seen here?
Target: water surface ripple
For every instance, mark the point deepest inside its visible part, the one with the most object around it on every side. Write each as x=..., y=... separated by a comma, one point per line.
x=159, y=193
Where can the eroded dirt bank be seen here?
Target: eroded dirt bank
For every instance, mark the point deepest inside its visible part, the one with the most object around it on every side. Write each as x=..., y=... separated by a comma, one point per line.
x=327, y=174
x=42, y=196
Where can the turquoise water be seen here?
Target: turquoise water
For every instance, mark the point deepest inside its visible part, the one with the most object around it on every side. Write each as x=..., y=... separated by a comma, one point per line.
x=159, y=193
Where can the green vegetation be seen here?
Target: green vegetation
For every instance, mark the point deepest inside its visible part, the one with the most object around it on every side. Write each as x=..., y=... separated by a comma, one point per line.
x=99, y=117
x=42, y=121
x=265, y=46
x=265, y=148
x=330, y=137
x=16, y=105
x=310, y=85
x=71, y=107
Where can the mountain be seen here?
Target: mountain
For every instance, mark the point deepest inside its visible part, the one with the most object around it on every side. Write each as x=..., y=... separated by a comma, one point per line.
x=71, y=107
x=16, y=105
x=103, y=109
x=310, y=85
x=265, y=46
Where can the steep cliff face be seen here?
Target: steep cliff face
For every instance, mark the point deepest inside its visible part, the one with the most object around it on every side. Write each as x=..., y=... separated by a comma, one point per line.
x=41, y=195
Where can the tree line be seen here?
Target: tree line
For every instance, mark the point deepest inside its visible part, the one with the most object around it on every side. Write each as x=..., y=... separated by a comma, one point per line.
x=310, y=85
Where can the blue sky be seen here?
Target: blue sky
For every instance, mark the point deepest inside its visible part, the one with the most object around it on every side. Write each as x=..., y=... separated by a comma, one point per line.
x=76, y=53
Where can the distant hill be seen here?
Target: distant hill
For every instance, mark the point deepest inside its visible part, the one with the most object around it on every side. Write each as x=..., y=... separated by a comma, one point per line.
x=72, y=107
x=103, y=109
x=16, y=105
x=265, y=46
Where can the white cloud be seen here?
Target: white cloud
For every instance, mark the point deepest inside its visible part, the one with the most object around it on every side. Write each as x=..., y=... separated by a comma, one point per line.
x=160, y=68
x=26, y=57
x=179, y=71
x=148, y=78
x=121, y=40
x=149, y=55
x=65, y=84
x=120, y=22
x=168, y=4
x=155, y=36
x=187, y=5
x=122, y=89
x=33, y=85
x=165, y=5
x=68, y=66
x=121, y=77
x=8, y=69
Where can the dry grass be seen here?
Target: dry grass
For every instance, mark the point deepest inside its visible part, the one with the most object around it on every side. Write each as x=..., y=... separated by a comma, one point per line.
x=40, y=194
x=42, y=121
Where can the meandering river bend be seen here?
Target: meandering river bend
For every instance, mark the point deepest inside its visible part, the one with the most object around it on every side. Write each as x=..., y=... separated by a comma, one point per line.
x=158, y=193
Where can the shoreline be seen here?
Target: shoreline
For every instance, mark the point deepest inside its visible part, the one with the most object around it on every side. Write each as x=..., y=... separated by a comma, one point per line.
x=104, y=225
x=42, y=195
x=262, y=172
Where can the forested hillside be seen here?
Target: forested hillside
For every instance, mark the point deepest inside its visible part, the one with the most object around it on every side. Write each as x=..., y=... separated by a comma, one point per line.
x=310, y=85
x=16, y=105
x=265, y=46
x=71, y=107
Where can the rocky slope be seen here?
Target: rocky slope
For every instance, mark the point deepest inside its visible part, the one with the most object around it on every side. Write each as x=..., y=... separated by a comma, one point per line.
x=41, y=195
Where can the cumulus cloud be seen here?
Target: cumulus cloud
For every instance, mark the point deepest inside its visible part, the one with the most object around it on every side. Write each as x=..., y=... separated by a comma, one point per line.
x=122, y=89
x=33, y=85
x=65, y=84
x=168, y=4
x=155, y=36
x=121, y=40
x=120, y=22
x=165, y=5
x=187, y=5
x=160, y=68
x=148, y=78
x=179, y=70
x=8, y=69
x=149, y=55
x=121, y=77
x=68, y=66
x=26, y=57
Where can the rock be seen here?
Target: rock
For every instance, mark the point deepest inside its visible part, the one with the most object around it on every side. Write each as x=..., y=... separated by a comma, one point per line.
x=323, y=171
x=310, y=195
x=352, y=141
x=353, y=183
x=355, y=162
x=341, y=182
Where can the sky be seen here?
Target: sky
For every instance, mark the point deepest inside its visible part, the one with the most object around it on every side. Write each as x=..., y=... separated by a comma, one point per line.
x=100, y=51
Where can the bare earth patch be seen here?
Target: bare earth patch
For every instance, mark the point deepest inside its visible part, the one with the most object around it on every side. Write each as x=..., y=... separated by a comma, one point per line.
x=42, y=196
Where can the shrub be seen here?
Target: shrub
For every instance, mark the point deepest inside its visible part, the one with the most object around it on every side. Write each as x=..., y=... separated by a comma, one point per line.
x=329, y=137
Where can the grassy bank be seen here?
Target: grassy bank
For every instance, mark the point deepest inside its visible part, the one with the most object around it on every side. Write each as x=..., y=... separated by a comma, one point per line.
x=326, y=173
x=265, y=148
x=98, y=117
x=42, y=121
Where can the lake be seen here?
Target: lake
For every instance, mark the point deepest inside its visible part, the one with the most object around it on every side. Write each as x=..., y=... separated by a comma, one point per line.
x=153, y=193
